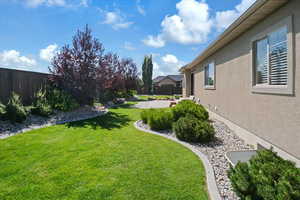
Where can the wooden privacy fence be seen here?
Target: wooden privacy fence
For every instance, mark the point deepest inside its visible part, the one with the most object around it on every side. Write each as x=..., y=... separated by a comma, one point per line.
x=24, y=83
x=167, y=90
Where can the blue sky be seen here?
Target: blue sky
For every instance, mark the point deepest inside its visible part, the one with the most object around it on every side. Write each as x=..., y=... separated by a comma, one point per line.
x=173, y=31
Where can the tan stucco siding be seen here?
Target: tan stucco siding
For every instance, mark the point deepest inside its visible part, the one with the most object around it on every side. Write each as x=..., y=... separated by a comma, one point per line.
x=275, y=118
x=167, y=81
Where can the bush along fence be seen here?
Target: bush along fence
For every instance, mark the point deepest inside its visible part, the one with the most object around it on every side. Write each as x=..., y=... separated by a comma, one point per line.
x=24, y=83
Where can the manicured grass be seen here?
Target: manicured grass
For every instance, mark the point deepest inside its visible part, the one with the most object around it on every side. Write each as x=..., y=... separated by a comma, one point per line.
x=102, y=158
x=156, y=97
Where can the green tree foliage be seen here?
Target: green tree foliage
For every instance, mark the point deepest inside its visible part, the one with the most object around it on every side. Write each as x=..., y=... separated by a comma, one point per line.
x=147, y=73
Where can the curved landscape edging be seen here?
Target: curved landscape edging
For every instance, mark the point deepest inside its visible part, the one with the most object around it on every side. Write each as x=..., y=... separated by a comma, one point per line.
x=210, y=176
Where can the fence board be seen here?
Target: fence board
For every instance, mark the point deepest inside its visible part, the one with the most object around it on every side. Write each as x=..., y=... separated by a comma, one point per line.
x=24, y=83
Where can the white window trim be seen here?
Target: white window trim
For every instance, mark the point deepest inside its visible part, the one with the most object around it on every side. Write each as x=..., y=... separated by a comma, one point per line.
x=276, y=89
x=210, y=87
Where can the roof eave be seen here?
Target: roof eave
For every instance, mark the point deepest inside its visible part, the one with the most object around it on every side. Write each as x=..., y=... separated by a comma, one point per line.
x=235, y=28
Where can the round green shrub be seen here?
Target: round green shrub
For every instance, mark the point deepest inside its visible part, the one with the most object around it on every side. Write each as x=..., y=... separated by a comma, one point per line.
x=188, y=107
x=191, y=129
x=145, y=115
x=266, y=176
x=160, y=119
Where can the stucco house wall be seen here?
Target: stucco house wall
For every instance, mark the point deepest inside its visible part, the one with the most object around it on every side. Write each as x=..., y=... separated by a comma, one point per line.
x=274, y=118
x=166, y=81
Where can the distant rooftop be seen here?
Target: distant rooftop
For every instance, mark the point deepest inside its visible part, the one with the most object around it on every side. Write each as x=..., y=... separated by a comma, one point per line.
x=173, y=77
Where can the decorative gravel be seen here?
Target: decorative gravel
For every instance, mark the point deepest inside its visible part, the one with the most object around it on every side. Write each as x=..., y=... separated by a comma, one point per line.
x=226, y=140
x=8, y=129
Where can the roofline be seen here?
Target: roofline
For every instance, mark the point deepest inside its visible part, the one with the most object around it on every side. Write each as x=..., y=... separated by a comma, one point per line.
x=168, y=76
x=234, y=26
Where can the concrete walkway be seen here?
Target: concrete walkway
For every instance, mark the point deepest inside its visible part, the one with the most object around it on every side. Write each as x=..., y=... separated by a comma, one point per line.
x=153, y=104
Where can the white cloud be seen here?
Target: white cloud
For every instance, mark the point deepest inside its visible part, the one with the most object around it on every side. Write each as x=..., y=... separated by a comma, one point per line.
x=191, y=25
x=140, y=8
x=51, y=3
x=13, y=58
x=129, y=46
x=35, y=3
x=224, y=18
x=166, y=65
x=116, y=20
x=169, y=58
x=153, y=41
x=56, y=2
x=84, y=3
x=49, y=52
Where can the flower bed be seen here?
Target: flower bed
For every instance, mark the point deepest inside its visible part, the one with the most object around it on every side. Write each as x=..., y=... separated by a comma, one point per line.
x=33, y=121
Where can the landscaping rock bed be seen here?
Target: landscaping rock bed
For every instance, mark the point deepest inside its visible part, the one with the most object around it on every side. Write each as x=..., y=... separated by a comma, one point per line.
x=33, y=122
x=226, y=140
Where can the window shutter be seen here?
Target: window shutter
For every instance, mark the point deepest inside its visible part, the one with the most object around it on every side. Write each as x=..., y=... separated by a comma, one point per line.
x=278, y=64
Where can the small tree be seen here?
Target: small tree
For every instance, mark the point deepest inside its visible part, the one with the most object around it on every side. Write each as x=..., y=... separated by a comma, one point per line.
x=87, y=73
x=74, y=68
x=147, y=73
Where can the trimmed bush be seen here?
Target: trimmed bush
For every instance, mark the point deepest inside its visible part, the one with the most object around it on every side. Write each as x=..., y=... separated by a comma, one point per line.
x=191, y=129
x=15, y=111
x=266, y=176
x=186, y=107
x=2, y=111
x=61, y=100
x=145, y=115
x=41, y=105
x=161, y=119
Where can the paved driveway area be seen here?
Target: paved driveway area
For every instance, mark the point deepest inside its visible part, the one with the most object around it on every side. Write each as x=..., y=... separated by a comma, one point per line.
x=153, y=104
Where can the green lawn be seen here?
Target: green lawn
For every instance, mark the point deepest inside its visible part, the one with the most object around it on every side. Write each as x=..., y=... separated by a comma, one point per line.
x=102, y=158
x=156, y=97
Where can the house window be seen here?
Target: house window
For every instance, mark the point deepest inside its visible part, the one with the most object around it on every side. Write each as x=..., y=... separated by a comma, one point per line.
x=271, y=65
x=209, y=76
x=272, y=59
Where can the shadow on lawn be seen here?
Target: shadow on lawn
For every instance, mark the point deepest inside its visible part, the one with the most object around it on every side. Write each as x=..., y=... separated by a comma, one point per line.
x=108, y=121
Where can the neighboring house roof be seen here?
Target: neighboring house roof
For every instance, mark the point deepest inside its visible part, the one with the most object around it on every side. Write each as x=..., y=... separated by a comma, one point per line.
x=256, y=13
x=158, y=79
x=176, y=77
x=172, y=77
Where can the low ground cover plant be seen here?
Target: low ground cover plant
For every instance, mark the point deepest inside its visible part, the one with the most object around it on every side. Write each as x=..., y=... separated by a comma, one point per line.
x=190, y=129
x=266, y=176
x=188, y=107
